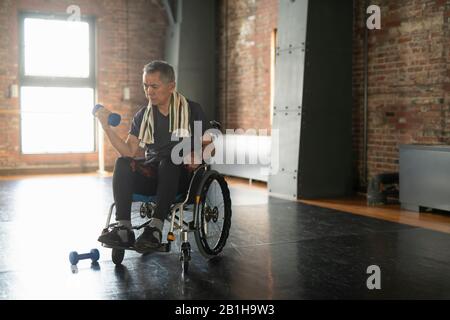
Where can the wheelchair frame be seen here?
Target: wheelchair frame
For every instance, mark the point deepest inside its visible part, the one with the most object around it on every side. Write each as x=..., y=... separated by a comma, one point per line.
x=201, y=217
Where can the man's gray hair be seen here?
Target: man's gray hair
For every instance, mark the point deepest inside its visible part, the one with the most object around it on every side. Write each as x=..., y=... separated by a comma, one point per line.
x=166, y=72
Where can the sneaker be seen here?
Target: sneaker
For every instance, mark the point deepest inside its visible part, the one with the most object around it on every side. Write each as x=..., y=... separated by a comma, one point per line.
x=148, y=240
x=118, y=237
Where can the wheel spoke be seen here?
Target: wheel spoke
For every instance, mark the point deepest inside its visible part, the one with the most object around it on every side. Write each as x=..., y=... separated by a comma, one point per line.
x=213, y=215
x=218, y=189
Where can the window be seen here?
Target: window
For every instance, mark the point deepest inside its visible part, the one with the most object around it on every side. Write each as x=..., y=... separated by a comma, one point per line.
x=57, y=81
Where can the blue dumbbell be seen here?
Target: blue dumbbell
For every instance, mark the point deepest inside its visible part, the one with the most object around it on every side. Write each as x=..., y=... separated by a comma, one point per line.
x=113, y=119
x=74, y=257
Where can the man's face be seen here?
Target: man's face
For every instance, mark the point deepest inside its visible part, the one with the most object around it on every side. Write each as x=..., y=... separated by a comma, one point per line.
x=155, y=89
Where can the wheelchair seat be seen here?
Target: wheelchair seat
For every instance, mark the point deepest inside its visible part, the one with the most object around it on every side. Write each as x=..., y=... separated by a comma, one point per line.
x=144, y=198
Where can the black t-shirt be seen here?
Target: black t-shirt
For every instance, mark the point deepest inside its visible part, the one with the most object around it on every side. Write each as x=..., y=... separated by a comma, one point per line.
x=162, y=146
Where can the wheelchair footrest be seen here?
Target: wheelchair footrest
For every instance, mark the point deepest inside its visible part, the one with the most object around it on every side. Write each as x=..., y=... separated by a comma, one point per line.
x=164, y=247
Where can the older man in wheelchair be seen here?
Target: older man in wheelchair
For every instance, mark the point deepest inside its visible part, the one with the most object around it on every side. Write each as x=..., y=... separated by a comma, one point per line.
x=165, y=186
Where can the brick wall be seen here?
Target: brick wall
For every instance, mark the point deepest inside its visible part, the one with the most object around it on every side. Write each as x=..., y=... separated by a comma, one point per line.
x=409, y=86
x=129, y=34
x=244, y=44
x=408, y=91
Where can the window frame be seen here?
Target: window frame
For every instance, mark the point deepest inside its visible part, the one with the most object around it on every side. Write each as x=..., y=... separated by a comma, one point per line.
x=55, y=81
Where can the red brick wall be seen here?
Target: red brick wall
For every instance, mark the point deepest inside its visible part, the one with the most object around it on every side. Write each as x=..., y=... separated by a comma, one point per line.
x=127, y=38
x=408, y=91
x=244, y=62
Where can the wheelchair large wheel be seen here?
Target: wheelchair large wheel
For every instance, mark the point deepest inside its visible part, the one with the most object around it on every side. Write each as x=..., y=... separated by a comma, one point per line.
x=212, y=214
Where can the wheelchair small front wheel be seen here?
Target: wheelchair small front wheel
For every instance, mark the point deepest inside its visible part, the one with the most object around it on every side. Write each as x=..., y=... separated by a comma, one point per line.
x=212, y=214
x=117, y=256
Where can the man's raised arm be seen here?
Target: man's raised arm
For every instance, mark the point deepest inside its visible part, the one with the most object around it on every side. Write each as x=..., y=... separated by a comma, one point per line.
x=126, y=148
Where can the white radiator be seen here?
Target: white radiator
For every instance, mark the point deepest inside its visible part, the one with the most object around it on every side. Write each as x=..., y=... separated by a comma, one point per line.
x=245, y=156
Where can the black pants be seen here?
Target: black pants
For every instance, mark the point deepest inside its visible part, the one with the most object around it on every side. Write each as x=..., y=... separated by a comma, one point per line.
x=168, y=181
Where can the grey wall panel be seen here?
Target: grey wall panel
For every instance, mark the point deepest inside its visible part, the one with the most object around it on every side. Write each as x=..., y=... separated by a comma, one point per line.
x=190, y=48
x=313, y=86
x=289, y=71
x=284, y=185
x=285, y=147
x=197, y=85
x=172, y=46
x=287, y=144
x=292, y=23
x=326, y=144
x=197, y=62
x=289, y=80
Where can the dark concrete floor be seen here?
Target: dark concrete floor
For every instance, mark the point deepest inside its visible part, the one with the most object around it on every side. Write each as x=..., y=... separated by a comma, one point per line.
x=277, y=249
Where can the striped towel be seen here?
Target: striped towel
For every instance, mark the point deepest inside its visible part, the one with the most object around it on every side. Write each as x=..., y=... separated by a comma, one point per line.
x=178, y=120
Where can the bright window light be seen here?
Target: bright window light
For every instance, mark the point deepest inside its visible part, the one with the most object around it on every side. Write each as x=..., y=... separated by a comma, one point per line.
x=56, y=48
x=57, y=120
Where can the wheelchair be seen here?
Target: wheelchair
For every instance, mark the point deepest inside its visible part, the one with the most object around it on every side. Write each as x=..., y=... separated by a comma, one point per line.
x=209, y=208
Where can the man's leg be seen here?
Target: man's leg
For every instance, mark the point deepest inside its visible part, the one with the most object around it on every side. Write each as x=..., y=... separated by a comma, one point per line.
x=123, y=188
x=168, y=180
x=125, y=183
x=171, y=180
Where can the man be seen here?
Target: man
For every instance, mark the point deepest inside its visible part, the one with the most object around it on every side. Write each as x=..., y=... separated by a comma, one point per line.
x=168, y=112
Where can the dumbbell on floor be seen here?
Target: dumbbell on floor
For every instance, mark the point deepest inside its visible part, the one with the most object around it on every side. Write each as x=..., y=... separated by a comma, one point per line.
x=113, y=118
x=74, y=257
